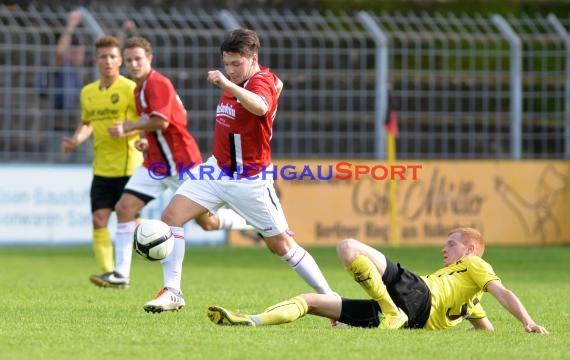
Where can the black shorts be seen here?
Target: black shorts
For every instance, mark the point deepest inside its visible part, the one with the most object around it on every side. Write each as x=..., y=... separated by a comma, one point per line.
x=409, y=292
x=106, y=192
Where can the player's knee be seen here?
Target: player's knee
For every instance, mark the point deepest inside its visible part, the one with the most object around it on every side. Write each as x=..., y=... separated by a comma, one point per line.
x=345, y=246
x=167, y=216
x=280, y=244
x=347, y=250
x=122, y=209
x=170, y=217
x=100, y=221
x=125, y=211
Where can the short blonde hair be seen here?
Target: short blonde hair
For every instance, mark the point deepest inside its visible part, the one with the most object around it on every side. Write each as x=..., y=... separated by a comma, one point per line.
x=471, y=236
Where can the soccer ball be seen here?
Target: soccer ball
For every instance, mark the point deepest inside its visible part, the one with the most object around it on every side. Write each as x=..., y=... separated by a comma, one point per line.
x=153, y=240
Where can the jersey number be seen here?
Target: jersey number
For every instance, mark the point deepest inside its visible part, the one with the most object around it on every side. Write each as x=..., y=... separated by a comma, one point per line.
x=462, y=314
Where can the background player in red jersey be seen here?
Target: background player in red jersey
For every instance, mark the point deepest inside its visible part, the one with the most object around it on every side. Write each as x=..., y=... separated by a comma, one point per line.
x=169, y=146
x=243, y=130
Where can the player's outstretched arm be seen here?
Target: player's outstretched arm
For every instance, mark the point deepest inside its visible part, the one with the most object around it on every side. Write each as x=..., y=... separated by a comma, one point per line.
x=74, y=18
x=512, y=303
x=128, y=128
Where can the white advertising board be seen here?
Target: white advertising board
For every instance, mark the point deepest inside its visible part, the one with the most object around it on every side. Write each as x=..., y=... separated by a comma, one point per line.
x=51, y=204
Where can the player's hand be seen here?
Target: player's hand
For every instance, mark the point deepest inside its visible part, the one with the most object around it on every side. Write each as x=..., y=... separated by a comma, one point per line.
x=117, y=130
x=217, y=78
x=68, y=145
x=128, y=25
x=141, y=144
x=74, y=18
x=535, y=328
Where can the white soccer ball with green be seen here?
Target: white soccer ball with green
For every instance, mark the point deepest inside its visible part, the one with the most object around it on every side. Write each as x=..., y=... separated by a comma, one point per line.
x=153, y=240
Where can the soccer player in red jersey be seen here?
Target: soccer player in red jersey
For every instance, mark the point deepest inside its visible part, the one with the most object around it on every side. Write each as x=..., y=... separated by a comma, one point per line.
x=169, y=148
x=239, y=171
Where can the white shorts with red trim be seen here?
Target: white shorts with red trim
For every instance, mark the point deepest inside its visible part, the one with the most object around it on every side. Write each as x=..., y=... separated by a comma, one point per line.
x=152, y=185
x=254, y=199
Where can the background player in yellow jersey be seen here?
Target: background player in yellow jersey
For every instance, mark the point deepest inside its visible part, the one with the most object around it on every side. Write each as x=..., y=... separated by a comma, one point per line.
x=105, y=102
x=400, y=298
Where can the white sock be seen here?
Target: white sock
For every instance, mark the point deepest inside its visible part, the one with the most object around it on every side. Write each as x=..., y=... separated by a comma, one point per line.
x=230, y=220
x=304, y=264
x=124, y=247
x=172, y=265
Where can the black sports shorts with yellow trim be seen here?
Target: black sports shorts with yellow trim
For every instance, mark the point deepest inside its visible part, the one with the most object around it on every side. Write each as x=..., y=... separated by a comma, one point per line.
x=408, y=291
x=106, y=191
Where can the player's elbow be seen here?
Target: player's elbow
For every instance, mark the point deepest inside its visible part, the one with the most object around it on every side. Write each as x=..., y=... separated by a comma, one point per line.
x=482, y=324
x=258, y=106
x=156, y=123
x=260, y=109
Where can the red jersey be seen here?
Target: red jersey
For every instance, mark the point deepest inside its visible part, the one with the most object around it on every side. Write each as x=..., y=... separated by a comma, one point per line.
x=174, y=145
x=241, y=138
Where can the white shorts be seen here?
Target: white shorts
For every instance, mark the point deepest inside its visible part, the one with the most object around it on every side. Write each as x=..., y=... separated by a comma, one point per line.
x=148, y=186
x=254, y=200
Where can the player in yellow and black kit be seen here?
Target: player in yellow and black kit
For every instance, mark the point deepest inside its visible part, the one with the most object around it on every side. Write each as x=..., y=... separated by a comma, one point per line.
x=104, y=103
x=400, y=298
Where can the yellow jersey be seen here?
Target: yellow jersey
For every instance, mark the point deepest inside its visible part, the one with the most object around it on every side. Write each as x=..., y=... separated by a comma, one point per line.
x=456, y=292
x=102, y=108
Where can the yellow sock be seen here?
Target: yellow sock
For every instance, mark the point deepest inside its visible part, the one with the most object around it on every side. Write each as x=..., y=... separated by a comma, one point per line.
x=103, y=249
x=283, y=312
x=364, y=272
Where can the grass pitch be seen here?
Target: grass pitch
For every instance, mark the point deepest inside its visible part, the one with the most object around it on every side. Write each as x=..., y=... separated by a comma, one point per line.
x=49, y=310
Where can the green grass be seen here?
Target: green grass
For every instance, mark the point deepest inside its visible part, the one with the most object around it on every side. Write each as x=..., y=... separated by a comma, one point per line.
x=48, y=309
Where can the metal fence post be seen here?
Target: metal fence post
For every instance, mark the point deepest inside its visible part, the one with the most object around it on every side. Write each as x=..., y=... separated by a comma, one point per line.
x=516, y=84
x=381, y=86
x=553, y=20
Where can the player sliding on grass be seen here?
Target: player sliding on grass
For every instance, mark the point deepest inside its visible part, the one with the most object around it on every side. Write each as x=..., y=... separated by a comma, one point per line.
x=400, y=298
